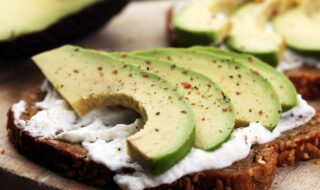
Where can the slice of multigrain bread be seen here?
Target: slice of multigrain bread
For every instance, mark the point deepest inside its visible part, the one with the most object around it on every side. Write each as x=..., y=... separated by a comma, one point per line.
x=255, y=172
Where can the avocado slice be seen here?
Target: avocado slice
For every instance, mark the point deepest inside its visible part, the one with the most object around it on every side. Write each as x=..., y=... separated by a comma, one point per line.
x=300, y=27
x=214, y=113
x=203, y=22
x=283, y=87
x=89, y=79
x=252, y=34
x=31, y=26
x=252, y=96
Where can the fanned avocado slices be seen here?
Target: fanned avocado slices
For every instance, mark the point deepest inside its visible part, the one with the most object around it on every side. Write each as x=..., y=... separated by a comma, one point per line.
x=252, y=96
x=213, y=111
x=281, y=84
x=89, y=79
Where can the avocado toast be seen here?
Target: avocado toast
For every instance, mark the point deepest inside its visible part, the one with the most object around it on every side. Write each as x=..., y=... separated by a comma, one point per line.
x=253, y=171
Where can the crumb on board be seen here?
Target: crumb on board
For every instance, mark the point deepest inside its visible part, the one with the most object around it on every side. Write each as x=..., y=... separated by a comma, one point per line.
x=2, y=151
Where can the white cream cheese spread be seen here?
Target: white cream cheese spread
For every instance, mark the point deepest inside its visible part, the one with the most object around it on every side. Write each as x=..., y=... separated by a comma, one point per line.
x=104, y=138
x=293, y=60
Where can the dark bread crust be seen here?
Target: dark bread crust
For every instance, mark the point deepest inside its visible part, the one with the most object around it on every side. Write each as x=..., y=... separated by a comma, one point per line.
x=69, y=29
x=256, y=172
x=307, y=81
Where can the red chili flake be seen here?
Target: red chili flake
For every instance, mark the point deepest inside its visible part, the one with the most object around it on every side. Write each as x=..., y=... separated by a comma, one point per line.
x=115, y=72
x=145, y=75
x=246, y=139
x=186, y=85
x=225, y=109
x=300, y=116
x=238, y=93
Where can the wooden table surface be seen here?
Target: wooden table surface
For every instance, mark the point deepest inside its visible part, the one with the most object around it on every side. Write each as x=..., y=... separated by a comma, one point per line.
x=139, y=26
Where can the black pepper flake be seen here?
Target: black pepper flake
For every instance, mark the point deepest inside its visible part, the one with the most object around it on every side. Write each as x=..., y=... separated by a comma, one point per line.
x=130, y=75
x=183, y=111
x=184, y=72
x=173, y=66
x=76, y=71
x=147, y=62
x=220, y=131
x=156, y=129
x=124, y=55
x=250, y=59
x=158, y=113
x=239, y=76
x=115, y=72
x=260, y=112
x=238, y=93
x=169, y=58
x=203, y=119
x=231, y=76
x=119, y=149
x=125, y=66
x=250, y=110
x=76, y=50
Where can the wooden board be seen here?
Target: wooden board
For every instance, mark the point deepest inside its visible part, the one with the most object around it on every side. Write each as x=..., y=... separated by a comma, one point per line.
x=139, y=26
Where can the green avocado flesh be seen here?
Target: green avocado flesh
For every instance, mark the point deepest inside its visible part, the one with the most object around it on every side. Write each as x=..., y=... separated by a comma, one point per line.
x=281, y=84
x=21, y=17
x=89, y=79
x=252, y=96
x=251, y=34
x=203, y=21
x=300, y=26
x=213, y=112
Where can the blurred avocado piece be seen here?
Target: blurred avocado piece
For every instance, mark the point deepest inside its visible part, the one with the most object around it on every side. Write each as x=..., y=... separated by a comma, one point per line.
x=300, y=27
x=28, y=27
x=203, y=21
x=251, y=32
